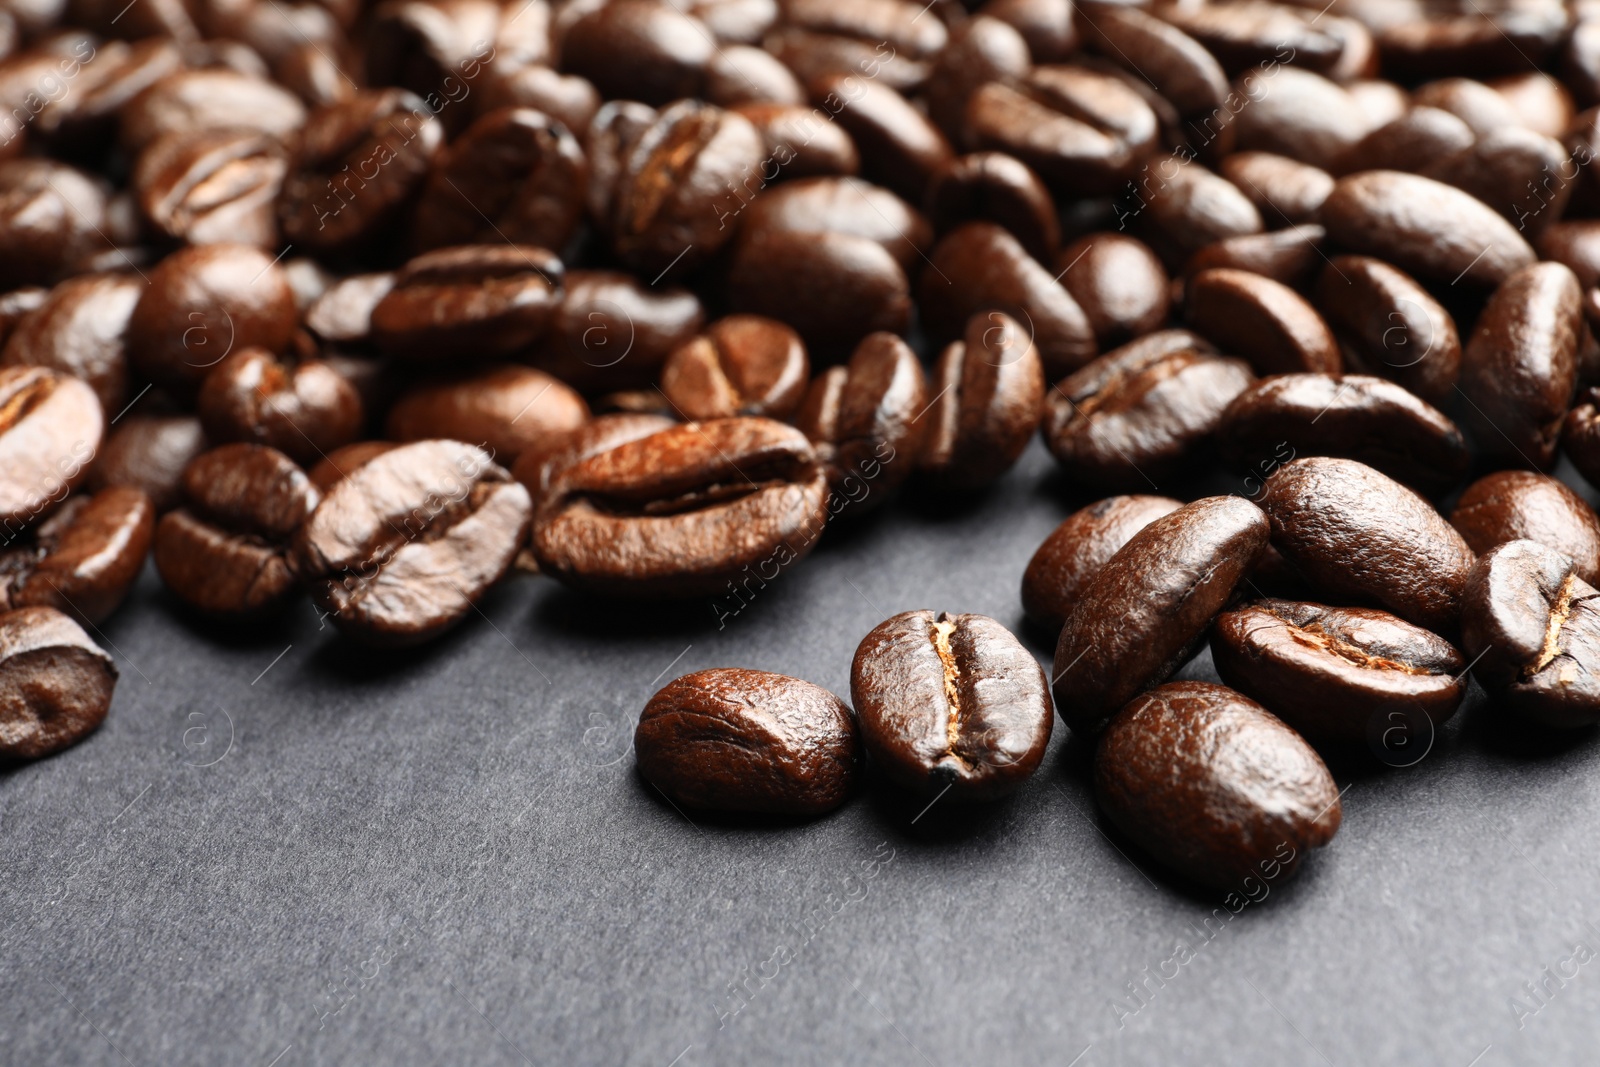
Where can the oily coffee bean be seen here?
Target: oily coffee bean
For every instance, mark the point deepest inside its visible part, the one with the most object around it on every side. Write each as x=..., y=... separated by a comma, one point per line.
x=1480, y=107
x=1580, y=435
x=343, y=313
x=1120, y=285
x=1521, y=505
x=50, y=430
x=1422, y=43
x=1265, y=322
x=226, y=552
x=741, y=365
x=193, y=100
x=1506, y=170
x=639, y=50
x=1286, y=191
x=1532, y=626
x=203, y=302
x=1178, y=208
x=611, y=136
x=1390, y=326
x=682, y=512
x=430, y=48
x=504, y=410
x=800, y=142
x=831, y=288
x=985, y=49
x=1291, y=256
x=886, y=40
x=843, y=205
x=1299, y=114
x=1357, y=534
x=1412, y=142
x=212, y=186
x=738, y=740
x=1141, y=414
x=1351, y=415
x=303, y=409
x=611, y=330
x=950, y=702
x=1148, y=608
x=1048, y=26
x=1214, y=786
x=84, y=121
x=55, y=683
x=567, y=98
x=1520, y=367
x=1075, y=551
x=472, y=300
x=864, y=420
x=51, y=220
x=539, y=463
x=1242, y=36
x=341, y=461
x=994, y=187
x=149, y=453
x=899, y=147
x=404, y=546
x=739, y=74
x=84, y=558
x=1575, y=243
x=80, y=329
x=1181, y=69
x=989, y=400
x=1332, y=672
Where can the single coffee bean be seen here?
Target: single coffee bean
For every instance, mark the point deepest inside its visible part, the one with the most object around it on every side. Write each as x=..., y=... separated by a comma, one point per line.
x=80, y=329
x=1291, y=256
x=900, y=148
x=1214, y=786
x=1285, y=191
x=639, y=50
x=1480, y=107
x=738, y=740
x=303, y=409
x=1516, y=172
x=567, y=98
x=1390, y=326
x=1299, y=114
x=84, y=558
x=50, y=430
x=1350, y=415
x=611, y=136
x=989, y=401
x=741, y=365
x=831, y=288
x=431, y=48
x=994, y=187
x=985, y=49
x=1520, y=505
x=1411, y=142
x=1424, y=43
x=404, y=546
x=226, y=553
x=800, y=142
x=1178, y=207
x=541, y=462
x=339, y=463
x=51, y=220
x=887, y=40
x=1242, y=36
x=1576, y=243
x=739, y=74
x=1520, y=367
x=950, y=702
x=864, y=420
x=1357, y=534
x=1263, y=321
x=1381, y=101
x=843, y=205
x=55, y=683
x=1120, y=285
x=1141, y=414
x=149, y=452
x=610, y=330
x=194, y=100
x=1338, y=674
x=83, y=122
x=504, y=410
x=1580, y=435
x=212, y=186
x=17, y=304
x=1148, y=608
x=682, y=512
x=1076, y=550
x=1049, y=26
x=1182, y=70
x=343, y=314
x=481, y=300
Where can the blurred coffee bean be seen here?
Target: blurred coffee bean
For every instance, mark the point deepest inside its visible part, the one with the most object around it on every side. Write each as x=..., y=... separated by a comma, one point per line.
x=1506, y=170
x=83, y=123
x=1422, y=42
x=611, y=136
x=567, y=98
x=1412, y=142
x=81, y=330
x=984, y=50
x=832, y=288
x=55, y=683
x=639, y=50
x=1285, y=191
x=463, y=304
x=1263, y=321
x=1181, y=68
x=1243, y=35
x=1580, y=435
x=1520, y=505
x=341, y=462
x=738, y=21
x=1290, y=257
x=990, y=395
x=1299, y=114
x=1480, y=107
x=1048, y=26
x=801, y=141
x=503, y=410
x=312, y=74
x=738, y=75
x=886, y=40
x=343, y=314
x=149, y=453
x=1119, y=284
x=17, y=305
x=190, y=101
x=1576, y=244
x=83, y=559
x=741, y=365
x=51, y=220
x=611, y=330
x=50, y=431
x=435, y=48
x=212, y=187
x=1075, y=551
x=843, y=205
x=303, y=409
x=543, y=460
x=994, y=187
x=1390, y=326
x=899, y=147
x=1179, y=207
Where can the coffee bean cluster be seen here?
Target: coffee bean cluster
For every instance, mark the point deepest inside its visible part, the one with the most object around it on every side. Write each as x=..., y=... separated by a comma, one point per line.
x=377, y=303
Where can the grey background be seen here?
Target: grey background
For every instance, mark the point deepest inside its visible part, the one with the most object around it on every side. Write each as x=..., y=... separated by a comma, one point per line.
x=279, y=850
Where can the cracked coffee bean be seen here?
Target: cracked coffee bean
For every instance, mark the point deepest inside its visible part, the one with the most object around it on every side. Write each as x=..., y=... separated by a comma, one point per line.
x=84, y=558
x=741, y=365
x=55, y=683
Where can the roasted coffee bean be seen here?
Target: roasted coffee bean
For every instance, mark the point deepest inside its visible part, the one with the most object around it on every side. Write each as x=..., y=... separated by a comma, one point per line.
x=1148, y=608
x=741, y=365
x=1580, y=435
x=514, y=176
x=1263, y=321
x=1340, y=674
x=1214, y=786
x=1291, y=256
x=843, y=205
x=1299, y=114
x=736, y=21
x=639, y=50
x=1422, y=42
x=55, y=683
x=800, y=142
x=342, y=461
x=994, y=187
x=864, y=420
x=195, y=100
x=455, y=305
x=80, y=329
x=1047, y=25
x=83, y=123
x=1425, y=228
x=985, y=49
x=433, y=48
x=203, y=302
x=343, y=314
x=1532, y=626
x=404, y=546
x=831, y=288
x=989, y=400
x=1520, y=505
x=1480, y=107
x=1181, y=69
x=302, y=409
x=950, y=702
x=1141, y=414
x=1390, y=326
x=226, y=552
x=611, y=330
x=887, y=40
x=542, y=461
x=737, y=740
x=1179, y=207
x=212, y=186
x=738, y=74
x=504, y=410
x=684, y=512
x=1412, y=142
x=1285, y=191
x=1520, y=367
x=1516, y=172
x=51, y=221
x=1245, y=35
x=84, y=558
x=50, y=430
x=1575, y=243
x=899, y=147
x=1350, y=415
x=16, y=305
x=1075, y=551
x=1357, y=534
x=611, y=136
x=1119, y=284
x=150, y=453
x=567, y=98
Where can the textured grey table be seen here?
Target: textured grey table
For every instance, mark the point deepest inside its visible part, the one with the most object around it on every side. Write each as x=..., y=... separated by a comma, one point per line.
x=281, y=851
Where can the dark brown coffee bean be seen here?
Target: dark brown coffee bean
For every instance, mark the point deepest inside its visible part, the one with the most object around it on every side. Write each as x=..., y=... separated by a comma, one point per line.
x=984, y=50
x=18, y=304
x=1423, y=42
x=1473, y=102
x=990, y=395
x=1520, y=505
x=1048, y=26
x=885, y=40
x=1411, y=142
x=843, y=205
x=899, y=147
x=194, y=100
x=84, y=558
x=1290, y=256
x=435, y=48
x=740, y=740
x=1357, y=534
x=1148, y=608
x=55, y=683
x=1514, y=171
x=503, y=410
x=611, y=135
x=542, y=461
x=1075, y=551
x=1532, y=626
x=1119, y=284
x=226, y=552
x=1181, y=68
x=404, y=546
x=832, y=288
x=1390, y=326
x=1285, y=191
x=801, y=142
x=567, y=98
x=303, y=409
x=1425, y=228
x=639, y=50
x=864, y=419
x=1299, y=114
x=515, y=176
x=1520, y=367
x=1141, y=414
x=994, y=187
x=343, y=314
x=1261, y=320
x=212, y=186
x=682, y=512
x=1178, y=207
x=1580, y=62
x=739, y=74
x=83, y=122
x=611, y=330
x=1214, y=786
x=50, y=430
x=1580, y=435
x=339, y=463
x=950, y=702
x=80, y=330
x=1350, y=415
x=741, y=365
x=473, y=300
x=1575, y=243
x=1245, y=35
x=150, y=453
x=52, y=220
